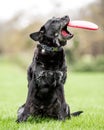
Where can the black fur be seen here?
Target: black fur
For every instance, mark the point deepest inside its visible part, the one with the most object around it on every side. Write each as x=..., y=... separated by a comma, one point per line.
x=47, y=73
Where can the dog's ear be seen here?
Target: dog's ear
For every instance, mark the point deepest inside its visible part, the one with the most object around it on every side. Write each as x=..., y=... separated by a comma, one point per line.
x=35, y=36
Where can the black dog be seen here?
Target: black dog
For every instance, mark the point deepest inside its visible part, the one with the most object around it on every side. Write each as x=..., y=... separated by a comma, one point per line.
x=47, y=73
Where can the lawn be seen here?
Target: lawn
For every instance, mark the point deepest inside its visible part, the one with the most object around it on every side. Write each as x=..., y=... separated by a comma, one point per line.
x=83, y=91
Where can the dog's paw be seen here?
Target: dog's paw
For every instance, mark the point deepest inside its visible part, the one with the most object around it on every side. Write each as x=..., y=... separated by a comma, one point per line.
x=61, y=118
x=22, y=118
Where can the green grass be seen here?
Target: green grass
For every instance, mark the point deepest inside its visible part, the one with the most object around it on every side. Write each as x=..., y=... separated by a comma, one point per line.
x=83, y=91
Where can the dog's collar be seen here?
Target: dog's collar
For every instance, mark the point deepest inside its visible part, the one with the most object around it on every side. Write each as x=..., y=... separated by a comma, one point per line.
x=49, y=49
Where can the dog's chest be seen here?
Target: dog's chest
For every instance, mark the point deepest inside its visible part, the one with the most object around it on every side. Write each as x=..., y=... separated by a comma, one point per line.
x=50, y=61
x=49, y=71
x=47, y=78
x=47, y=83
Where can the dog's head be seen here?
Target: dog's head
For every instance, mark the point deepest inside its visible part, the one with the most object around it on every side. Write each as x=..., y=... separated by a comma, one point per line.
x=54, y=33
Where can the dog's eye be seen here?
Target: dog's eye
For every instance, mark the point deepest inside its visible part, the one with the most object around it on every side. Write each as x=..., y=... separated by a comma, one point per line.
x=56, y=34
x=42, y=31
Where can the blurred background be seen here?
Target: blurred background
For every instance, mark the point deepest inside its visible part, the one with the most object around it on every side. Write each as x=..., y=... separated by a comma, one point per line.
x=85, y=52
x=84, y=89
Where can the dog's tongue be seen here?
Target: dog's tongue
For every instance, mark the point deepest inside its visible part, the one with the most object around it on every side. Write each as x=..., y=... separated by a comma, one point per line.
x=64, y=33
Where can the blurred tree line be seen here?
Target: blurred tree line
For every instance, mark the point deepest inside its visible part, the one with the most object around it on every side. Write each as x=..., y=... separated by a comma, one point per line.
x=86, y=44
x=87, y=52
x=93, y=42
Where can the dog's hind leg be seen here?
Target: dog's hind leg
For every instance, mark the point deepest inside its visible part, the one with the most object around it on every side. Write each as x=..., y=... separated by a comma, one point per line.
x=20, y=110
x=66, y=111
x=25, y=109
x=22, y=113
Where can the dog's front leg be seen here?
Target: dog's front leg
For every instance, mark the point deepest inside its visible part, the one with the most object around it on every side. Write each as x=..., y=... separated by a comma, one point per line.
x=63, y=109
x=26, y=110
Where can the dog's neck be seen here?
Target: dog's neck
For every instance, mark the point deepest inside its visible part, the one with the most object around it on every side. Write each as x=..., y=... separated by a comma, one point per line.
x=46, y=48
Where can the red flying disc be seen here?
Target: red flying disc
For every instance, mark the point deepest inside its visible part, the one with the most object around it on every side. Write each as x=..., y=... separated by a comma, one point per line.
x=83, y=24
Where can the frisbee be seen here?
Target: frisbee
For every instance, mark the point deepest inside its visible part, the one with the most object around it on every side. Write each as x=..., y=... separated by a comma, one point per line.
x=83, y=24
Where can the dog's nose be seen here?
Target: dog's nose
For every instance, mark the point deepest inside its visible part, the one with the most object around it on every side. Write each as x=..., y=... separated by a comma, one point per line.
x=66, y=18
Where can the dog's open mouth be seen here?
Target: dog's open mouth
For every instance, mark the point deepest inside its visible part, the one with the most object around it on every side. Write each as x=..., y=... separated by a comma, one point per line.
x=65, y=33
